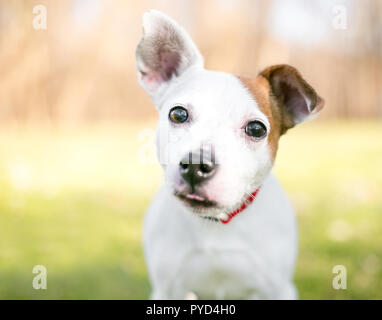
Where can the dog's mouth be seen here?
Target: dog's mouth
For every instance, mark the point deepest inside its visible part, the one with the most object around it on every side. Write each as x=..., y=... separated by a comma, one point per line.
x=195, y=200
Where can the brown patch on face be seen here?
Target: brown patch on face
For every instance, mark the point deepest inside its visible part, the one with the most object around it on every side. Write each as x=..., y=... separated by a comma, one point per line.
x=284, y=97
x=260, y=89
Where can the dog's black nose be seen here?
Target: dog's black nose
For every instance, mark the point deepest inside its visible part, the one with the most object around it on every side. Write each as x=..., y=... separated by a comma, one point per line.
x=197, y=167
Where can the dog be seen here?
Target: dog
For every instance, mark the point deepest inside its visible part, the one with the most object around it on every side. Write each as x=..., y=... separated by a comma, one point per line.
x=221, y=226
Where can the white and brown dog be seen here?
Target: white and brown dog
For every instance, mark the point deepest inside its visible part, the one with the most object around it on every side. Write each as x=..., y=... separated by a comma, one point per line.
x=221, y=226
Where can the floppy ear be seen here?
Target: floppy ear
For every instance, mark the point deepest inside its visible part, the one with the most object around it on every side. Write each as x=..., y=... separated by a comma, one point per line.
x=295, y=99
x=165, y=51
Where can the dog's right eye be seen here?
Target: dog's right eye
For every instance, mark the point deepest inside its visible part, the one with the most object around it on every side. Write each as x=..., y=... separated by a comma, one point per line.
x=178, y=114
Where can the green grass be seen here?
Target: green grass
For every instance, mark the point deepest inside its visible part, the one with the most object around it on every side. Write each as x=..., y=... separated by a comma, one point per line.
x=73, y=201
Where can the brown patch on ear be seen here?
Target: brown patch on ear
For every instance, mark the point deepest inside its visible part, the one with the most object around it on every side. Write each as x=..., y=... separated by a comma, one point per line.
x=260, y=89
x=295, y=98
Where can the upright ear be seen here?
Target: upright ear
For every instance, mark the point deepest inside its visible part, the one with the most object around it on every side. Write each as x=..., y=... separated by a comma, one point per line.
x=296, y=101
x=165, y=51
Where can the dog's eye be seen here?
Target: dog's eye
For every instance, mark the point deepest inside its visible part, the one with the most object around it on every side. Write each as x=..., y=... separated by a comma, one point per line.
x=256, y=129
x=178, y=114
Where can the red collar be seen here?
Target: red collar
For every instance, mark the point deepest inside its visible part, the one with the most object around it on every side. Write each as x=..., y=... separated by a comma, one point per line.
x=244, y=205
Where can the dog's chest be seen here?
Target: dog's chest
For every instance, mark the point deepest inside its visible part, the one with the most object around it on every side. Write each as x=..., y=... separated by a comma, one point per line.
x=215, y=273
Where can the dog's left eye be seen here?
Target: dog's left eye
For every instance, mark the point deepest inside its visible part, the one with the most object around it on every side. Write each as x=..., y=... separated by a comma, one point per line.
x=256, y=129
x=178, y=114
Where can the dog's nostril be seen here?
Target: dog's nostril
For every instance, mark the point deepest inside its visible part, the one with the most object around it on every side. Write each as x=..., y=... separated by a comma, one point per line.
x=206, y=167
x=183, y=166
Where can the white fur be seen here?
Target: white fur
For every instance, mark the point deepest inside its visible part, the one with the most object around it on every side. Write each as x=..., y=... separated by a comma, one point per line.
x=219, y=106
x=253, y=256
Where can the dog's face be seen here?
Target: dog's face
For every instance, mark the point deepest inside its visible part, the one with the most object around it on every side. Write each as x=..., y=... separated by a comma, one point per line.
x=218, y=133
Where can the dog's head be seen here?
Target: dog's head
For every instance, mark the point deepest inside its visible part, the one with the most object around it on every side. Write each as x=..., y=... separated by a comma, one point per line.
x=218, y=133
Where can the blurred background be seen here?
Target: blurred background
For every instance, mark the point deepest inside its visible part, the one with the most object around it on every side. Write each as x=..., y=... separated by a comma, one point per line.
x=76, y=132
